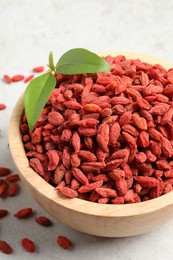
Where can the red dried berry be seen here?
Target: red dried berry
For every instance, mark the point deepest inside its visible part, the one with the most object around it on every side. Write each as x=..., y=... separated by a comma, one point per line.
x=3, y=213
x=68, y=192
x=29, y=78
x=7, y=79
x=38, y=69
x=2, y=106
x=28, y=245
x=17, y=77
x=106, y=192
x=64, y=242
x=13, y=178
x=3, y=188
x=43, y=221
x=23, y=213
x=4, y=171
x=13, y=189
x=5, y=247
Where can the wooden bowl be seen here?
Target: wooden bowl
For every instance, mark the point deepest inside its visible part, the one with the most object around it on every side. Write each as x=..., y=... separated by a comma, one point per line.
x=89, y=217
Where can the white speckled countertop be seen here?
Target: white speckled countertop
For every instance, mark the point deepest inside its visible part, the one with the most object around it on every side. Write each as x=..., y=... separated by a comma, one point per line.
x=29, y=30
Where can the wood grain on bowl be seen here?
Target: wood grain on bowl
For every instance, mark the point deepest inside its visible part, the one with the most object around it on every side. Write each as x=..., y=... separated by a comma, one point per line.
x=89, y=217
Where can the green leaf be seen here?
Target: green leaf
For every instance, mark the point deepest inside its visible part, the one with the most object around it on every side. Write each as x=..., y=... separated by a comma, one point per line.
x=36, y=95
x=51, y=62
x=79, y=61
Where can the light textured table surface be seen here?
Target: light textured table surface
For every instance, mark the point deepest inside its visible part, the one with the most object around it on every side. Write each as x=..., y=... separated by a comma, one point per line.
x=29, y=30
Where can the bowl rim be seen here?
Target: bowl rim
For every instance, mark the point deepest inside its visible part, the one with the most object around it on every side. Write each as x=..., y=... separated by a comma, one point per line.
x=45, y=189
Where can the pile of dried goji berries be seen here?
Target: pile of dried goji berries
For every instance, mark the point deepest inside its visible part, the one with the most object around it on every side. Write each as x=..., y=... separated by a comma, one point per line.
x=107, y=137
x=9, y=187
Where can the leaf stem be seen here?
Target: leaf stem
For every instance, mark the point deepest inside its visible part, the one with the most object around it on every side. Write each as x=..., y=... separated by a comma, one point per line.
x=51, y=62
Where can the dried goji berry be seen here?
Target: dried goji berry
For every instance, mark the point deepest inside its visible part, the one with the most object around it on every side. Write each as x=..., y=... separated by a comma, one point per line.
x=106, y=192
x=12, y=178
x=59, y=174
x=38, y=69
x=3, y=213
x=103, y=200
x=43, y=221
x=37, y=166
x=28, y=245
x=87, y=156
x=66, y=157
x=91, y=186
x=117, y=200
x=76, y=142
x=73, y=105
x=2, y=106
x=23, y=213
x=29, y=78
x=159, y=109
x=4, y=171
x=64, y=242
x=3, y=188
x=8, y=79
x=55, y=118
x=146, y=181
x=120, y=100
x=5, y=247
x=53, y=159
x=88, y=132
x=114, y=133
x=121, y=186
x=140, y=122
x=68, y=192
x=13, y=189
x=68, y=177
x=101, y=177
x=75, y=184
x=75, y=160
x=92, y=166
x=17, y=77
x=78, y=174
x=103, y=137
x=92, y=108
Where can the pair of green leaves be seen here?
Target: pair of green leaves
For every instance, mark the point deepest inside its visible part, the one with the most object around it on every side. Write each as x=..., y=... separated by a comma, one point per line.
x=74, y=61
